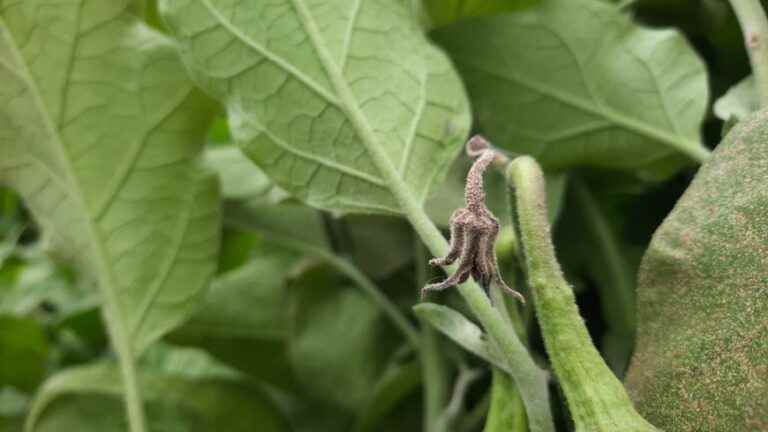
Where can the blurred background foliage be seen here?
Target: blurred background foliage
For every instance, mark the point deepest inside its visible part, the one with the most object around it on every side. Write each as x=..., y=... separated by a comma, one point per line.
x=284, y=337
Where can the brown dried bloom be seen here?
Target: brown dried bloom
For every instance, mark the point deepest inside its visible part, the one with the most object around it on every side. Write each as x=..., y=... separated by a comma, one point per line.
x=473, y=230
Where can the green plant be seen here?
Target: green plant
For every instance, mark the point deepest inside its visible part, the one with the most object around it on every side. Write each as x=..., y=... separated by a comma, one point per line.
x=220, y=214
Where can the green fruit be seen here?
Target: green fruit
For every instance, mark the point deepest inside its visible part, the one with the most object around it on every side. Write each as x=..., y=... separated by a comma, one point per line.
x=701, y=362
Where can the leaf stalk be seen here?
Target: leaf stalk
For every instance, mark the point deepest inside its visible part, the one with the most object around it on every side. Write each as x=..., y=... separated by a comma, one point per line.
x=754, y=26
x=530, y=379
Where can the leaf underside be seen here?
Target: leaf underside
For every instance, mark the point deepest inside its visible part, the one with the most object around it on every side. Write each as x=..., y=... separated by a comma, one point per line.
x=88, y=399
x=575, y=82
x=302, y=82
x=100, y=134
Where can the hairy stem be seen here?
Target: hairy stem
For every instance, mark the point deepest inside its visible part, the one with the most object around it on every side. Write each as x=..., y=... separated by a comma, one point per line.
x=527, y=375
x=754, y=26
x=432, y=363
x=596, y=398
x=530, y=379
x=507, y=412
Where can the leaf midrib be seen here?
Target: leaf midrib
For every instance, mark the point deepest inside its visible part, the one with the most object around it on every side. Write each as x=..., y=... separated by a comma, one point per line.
x=348, y=103
x=104, y=271
x=269, y=55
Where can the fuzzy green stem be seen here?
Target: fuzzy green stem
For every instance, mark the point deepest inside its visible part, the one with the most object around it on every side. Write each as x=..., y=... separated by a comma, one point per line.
x=527, y=375
x=530, y=379
x=596, y=398
x=507, y=412
x=432, y=363
x=434, y=377
x=754, y=27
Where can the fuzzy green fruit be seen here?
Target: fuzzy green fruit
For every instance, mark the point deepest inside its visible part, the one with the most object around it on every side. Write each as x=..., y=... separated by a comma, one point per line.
x=701, y=362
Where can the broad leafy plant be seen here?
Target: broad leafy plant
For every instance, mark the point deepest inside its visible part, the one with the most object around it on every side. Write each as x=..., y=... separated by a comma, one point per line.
x=227, y=214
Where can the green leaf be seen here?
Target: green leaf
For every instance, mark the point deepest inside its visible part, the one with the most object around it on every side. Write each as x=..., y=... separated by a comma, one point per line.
x=100, y=134
x=338, y=340
x=242, y=320
x=738, y=102
x=87, y=399
x=334, y=101
x=239, y=179
x=444, y=12
x=702, y=346
x=24, y=352
x=461, y=330
x=397, y=382
x=281, y=225
x=576, y=82
x=381, y=244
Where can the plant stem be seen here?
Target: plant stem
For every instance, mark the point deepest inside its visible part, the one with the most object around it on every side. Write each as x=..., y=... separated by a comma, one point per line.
x=507, y=412
x=754, y=26
x=432, y=363
x=596, y=398
x=527, y=375
x=530, y=379
x=434, y=376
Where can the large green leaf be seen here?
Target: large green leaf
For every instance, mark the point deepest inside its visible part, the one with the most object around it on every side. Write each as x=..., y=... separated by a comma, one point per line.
x=242, y=322
x=99, y=132
x=702, y=346
x=397, y=382
x=442, y=12
x=338, y=341
x=331, y=99
x=576, y=82
x=198, y=399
